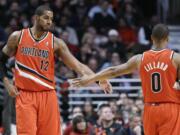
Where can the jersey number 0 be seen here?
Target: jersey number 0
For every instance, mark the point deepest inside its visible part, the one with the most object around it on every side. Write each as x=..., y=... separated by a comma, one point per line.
x=156, y=82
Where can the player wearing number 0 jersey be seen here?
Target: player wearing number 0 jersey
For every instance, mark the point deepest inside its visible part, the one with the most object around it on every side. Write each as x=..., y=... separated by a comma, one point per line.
x=158, y=75
x=158, y=69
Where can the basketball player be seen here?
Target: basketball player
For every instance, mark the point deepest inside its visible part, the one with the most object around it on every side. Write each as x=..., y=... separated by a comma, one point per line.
x=158, y=71
x=36, y=102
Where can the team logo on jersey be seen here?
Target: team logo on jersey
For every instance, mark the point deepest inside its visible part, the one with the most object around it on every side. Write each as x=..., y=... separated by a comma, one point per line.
x=32, y=51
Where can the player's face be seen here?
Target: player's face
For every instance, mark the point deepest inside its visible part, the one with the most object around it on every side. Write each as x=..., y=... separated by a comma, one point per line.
x=45, y=21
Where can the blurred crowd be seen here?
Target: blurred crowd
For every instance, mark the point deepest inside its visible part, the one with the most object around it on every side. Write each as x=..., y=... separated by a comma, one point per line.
x=121, y=117
x=100, y=33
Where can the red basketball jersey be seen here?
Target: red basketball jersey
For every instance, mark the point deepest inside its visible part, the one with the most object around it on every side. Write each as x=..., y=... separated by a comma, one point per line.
x=34, y=66
x=158, y=75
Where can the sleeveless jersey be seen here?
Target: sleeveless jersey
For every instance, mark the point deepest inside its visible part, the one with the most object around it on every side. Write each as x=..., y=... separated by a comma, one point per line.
x=34, y=66
x=158, y=75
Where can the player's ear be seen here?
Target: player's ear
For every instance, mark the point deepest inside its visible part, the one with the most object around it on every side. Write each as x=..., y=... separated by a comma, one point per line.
x=37, y=17
x=167, y=39
x=152, y=38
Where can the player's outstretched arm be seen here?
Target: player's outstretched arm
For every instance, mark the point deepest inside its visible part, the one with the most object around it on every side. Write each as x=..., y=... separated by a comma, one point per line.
x=111, y=72
x=176, y=62
x=63, y=52
x=8, y=51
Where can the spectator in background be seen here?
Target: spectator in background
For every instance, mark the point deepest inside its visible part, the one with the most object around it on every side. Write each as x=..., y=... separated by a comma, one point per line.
x=3, y=7
x=140, y=105
x=79, y=9
x=81, y=127
x=115, y=44
x=30, y=6
x=64, y=72
x=162, y=10
x=144, y=36
x=89, y=36
x=93, y=64
x=108, y=125
x=129, y=14
x=14, y=10
x=24, y=22
x=9, y=114
x=3, y=37
x=113, y=105
x=136, y=125
x=94, y=39
x=76, y=111
x=123, y=99
x=127, y=34
x=63, y=26
x=89, y=113
x=100, y=7
x=12, y=17
x=103, y=20
x=114, y=60
x=85, y=53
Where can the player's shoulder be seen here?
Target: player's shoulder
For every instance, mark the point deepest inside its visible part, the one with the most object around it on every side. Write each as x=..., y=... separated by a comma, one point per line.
x=59, y=43
x=176, y=59
x=135, y=60
x=15, y=35
x=137, y=57
x=176, y=56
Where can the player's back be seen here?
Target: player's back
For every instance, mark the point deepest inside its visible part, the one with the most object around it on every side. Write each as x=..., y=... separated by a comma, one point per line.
x=158, y=75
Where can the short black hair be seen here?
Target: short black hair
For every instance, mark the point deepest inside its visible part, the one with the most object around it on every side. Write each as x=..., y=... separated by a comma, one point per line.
x=40, y=10
x=160, y=32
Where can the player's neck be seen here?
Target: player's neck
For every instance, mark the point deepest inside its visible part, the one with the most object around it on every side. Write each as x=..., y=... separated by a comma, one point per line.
x=158, y=48
x=37, y=33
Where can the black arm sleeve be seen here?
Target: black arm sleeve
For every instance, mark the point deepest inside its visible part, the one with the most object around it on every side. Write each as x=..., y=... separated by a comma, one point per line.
x=3, y=60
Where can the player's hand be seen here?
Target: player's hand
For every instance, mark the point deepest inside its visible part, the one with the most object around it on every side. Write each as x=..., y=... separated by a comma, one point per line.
x=79, y=82
x=11, y=89
x=85, y=80
x=106, y=86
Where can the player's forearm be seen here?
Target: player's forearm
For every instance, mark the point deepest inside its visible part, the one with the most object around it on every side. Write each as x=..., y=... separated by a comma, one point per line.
x=104, y=74
x=110, y=72
x=84, y=70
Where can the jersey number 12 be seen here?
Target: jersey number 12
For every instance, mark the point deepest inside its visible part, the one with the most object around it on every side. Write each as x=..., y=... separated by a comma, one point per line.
x=44, y=65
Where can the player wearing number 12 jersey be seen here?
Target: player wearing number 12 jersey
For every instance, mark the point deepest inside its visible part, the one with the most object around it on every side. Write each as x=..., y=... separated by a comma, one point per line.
x=158, y=70
x=37, y=111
